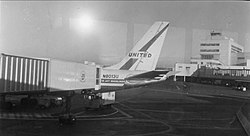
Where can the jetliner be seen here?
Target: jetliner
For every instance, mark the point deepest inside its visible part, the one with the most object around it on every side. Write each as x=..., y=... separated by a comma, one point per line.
x=138, y=66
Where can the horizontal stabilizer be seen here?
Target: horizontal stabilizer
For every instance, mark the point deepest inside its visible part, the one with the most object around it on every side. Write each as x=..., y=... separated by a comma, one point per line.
x=148, y=75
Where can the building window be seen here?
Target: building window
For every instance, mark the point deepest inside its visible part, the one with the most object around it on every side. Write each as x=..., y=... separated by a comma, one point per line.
x=97, y=82
x=98, y=76
x=209, y=50
x=241, y=58
x=207, y=56
x=235, y=49
x=216, y=56
x=210, y=44
x=194, y=63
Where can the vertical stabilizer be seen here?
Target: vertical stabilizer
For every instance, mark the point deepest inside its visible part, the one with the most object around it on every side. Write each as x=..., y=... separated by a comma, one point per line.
x=146, y=52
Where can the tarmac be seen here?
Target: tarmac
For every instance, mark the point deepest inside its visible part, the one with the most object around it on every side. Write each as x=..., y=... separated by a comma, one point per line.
x=169, y=108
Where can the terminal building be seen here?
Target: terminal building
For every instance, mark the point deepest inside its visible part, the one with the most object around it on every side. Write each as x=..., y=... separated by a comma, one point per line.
x=217, y=53
x=218, y=50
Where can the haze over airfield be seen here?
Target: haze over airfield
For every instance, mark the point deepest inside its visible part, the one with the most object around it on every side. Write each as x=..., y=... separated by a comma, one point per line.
x=47, y=29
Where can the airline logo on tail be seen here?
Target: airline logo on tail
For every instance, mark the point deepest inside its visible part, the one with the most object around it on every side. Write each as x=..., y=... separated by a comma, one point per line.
x=145, y=54
x=140, y=55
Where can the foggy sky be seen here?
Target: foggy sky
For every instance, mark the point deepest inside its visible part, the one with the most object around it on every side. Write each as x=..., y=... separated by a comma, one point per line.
x=42, y=29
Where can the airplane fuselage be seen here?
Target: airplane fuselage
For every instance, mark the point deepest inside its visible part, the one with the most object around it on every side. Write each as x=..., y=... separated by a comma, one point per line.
x=114, y=77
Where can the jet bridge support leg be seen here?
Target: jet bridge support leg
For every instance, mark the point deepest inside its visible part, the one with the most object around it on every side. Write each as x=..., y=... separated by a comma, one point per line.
x=68, y=102
x=67, y=117
x=2, y=100
x=2, y=97
x=4, y=104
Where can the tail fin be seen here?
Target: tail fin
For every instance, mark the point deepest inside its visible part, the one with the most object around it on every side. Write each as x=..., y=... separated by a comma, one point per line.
x=146, y=52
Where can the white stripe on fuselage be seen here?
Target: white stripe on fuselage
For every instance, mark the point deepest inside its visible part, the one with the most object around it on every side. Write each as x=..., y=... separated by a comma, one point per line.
x=116, y=77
